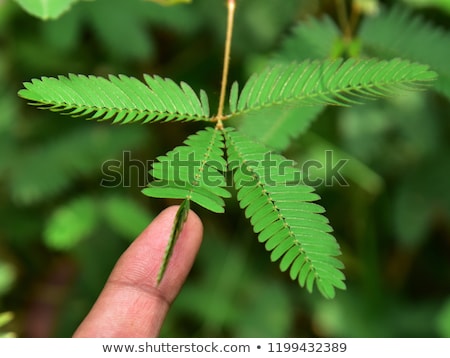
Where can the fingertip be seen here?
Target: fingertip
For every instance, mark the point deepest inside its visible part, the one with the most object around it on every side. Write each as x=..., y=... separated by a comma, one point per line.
x=185, y=250
x=132, y=304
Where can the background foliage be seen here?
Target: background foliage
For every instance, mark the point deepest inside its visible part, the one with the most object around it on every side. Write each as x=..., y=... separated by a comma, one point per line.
x=61, y=232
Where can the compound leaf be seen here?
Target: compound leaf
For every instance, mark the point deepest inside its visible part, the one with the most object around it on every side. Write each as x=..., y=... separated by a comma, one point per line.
x=279, y=129
x=414, y=39
x=119, y=98
x=283, y=213
x=193, y=172
x=310, y=39
x=329, y=82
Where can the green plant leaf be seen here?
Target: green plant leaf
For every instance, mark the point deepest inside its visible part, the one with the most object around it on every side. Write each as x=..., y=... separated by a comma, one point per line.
x=282, y=212
x=278, y=129
x=8, y=275
x=132, y=40
x=178, y=223
x=53, y=171
x=126, y=216
x=71, y=223
x=120, y=98
x=335, y=82
x=414, y=39
x=310, y=39
x=46, y=9
x=193, y=171
x=443, y=5
x=6, y=318
x=443, y=319
x=171, y=2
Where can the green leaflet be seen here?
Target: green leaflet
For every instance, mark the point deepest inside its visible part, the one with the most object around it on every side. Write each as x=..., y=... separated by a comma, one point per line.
x=171, y=2
x=332, y=82
x=53, y=173
x=178, y=223
x=6, y=318
x=278, y=129
x=71, y=223
x=414, y=39
x=46, y=9
x=119, y=98
x=310, y=39
x=193, y=172
x=283, y=213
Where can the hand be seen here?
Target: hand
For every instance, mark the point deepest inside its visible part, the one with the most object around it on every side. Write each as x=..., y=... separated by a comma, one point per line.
x=131, y=303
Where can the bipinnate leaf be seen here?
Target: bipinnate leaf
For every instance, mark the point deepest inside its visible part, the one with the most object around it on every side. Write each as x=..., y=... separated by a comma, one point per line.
x=328, y=82
x=283, y=213
x=120, y=98
x=193, y=172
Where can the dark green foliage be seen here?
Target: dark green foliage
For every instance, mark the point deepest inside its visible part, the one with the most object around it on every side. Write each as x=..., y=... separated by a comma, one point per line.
x=277, y=130
x=79, y=219
x=57, y=164
x=310, y=39
x=397, y=32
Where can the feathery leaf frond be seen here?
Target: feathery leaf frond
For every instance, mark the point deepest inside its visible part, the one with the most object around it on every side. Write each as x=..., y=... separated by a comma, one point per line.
x=398, y=33
x=283, y=214
x=193, y=172
x=121, y=99
x=310, y=39
x=278, y=129
x=52, y=170
x=335, y=82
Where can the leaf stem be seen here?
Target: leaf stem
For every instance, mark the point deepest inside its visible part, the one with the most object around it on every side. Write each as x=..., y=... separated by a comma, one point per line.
x=354, y=16
x=226, y=62
x=343, y=19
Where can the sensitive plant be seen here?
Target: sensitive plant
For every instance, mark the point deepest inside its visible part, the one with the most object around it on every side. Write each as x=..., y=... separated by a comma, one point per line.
x=282, y=209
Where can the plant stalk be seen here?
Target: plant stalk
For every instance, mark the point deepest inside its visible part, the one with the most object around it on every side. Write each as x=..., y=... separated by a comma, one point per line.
x=343, y=19
x=226, y=62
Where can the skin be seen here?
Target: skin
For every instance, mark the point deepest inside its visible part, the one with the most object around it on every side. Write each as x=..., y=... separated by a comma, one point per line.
x=131, y=303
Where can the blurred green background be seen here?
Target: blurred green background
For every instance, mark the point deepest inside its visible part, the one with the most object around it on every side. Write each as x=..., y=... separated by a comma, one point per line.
x=61, y=232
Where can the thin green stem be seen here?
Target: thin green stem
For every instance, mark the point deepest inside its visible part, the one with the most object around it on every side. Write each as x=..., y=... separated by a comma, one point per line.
x=226, y=62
